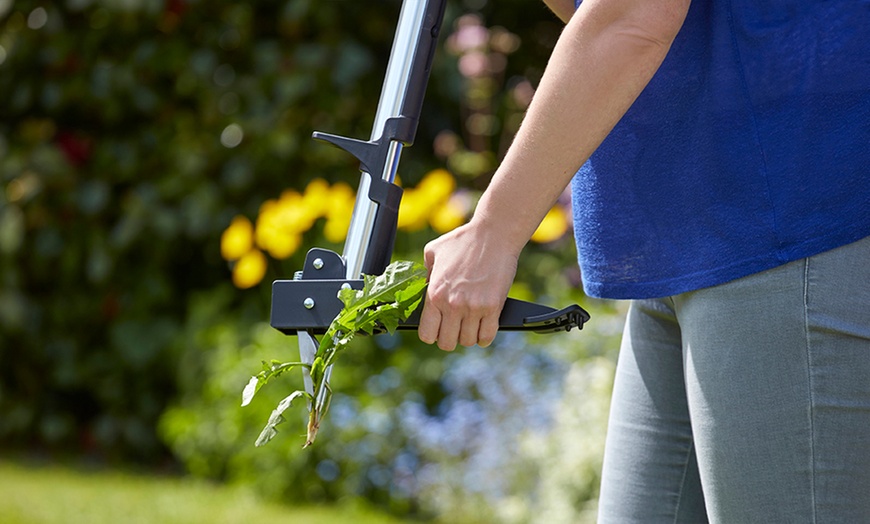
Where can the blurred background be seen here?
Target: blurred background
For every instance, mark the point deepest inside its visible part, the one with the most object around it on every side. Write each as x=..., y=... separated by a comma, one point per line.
x=157, y=173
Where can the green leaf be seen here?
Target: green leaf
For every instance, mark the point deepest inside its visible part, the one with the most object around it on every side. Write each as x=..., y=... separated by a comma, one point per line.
x=348, y=296
x=271, y=370
x=388, y=317
x=382, y=289
x=250, y=390
x=383, y=302
x=365, y=321
x=397, y=276
x=410, y=297
x=317, y=368
x=276, y=418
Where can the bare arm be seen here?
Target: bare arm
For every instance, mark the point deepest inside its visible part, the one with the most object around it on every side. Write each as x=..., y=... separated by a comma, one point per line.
x=603, y=60
x=562, y=8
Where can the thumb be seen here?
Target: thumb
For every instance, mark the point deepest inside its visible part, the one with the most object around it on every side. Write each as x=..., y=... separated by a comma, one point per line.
x=428, y=258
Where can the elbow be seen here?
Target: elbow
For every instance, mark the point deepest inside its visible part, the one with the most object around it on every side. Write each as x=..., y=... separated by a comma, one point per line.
x=648, y=23
x=669, y=20
x=655, y=22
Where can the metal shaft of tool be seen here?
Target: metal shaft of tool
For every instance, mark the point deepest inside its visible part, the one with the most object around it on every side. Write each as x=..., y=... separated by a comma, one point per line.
x=390, y=105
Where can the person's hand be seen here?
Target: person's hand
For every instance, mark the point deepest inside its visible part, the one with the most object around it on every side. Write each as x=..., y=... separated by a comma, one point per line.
x=470, y=273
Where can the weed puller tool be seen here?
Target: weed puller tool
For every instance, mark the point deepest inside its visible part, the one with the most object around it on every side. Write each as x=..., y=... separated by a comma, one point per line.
x=306, y=305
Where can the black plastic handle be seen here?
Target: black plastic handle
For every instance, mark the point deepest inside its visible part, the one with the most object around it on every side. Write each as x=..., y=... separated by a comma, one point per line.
x=310, y=305
x=519, y=315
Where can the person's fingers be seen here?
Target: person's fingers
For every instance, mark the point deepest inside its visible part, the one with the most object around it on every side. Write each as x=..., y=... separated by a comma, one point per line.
x=429, y=257
x=462, y=300
x=430, y=323
x=488, y=330
x=468, y=331
x=448, y=332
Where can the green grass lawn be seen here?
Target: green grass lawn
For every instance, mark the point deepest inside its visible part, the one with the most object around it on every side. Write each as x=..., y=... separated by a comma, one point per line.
x=59, y=494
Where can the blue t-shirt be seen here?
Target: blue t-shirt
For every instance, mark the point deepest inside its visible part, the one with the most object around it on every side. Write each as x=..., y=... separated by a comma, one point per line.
x=749, y=148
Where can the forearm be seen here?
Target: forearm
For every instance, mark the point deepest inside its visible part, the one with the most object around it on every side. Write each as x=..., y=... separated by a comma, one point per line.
x=605, y=57
x=562, y=8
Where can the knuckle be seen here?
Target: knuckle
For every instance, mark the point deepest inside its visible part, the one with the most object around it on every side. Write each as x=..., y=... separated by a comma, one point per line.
x=484, y=306
x=446, y=346
x=429, y=249
x=436, y=297
x=425, y=336
x=488, y=331
x=468, y=341
x=455, y=302
x=462, y=302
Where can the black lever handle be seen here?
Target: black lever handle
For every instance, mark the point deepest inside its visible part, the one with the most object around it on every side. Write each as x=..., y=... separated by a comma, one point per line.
x=519, y=315
x=310, y=305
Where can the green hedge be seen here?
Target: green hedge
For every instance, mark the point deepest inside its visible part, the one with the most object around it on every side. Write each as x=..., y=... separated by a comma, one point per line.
x=117, y=185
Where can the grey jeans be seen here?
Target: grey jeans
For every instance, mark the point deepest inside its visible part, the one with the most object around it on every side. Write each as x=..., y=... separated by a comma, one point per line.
x=746, y=402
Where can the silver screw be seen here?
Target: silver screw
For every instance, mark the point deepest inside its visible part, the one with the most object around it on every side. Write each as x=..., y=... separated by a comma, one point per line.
x=308, y=303
x=297, y=275
x=318, y=263
x=345, y=286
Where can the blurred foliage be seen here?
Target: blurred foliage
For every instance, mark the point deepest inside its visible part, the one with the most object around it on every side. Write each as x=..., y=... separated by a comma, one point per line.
x=503, y=434
x=156, y=173
x=132, y=133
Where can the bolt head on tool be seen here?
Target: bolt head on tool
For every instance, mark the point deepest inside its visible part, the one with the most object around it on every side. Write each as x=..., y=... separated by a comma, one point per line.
x=308, y=303
x=318, y=263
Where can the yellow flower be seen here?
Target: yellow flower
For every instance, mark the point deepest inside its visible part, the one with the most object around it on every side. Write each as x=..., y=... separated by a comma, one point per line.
x=267, y=223
x=447, y=216
x=340, y=199
x=337, y=222
x=281, y=223
x=267, y=219
x=284, y=244
x=414, y=210
x=338, y=209
x=316, y=197
x=437, y=185
x=280, y=242
x=249, y=270
x=294, y=213
x=421, y=204
x=553, y=227
x=237, y=239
